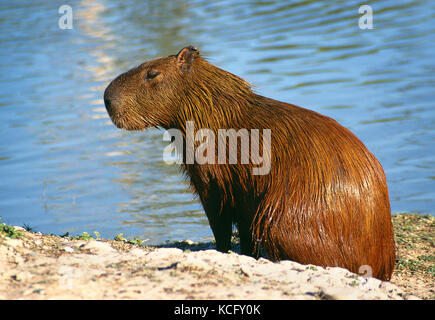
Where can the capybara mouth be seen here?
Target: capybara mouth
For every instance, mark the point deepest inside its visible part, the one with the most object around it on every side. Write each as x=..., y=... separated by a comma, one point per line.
x=123, y=120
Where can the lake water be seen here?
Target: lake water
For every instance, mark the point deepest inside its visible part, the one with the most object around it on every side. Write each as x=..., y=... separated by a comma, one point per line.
x=64, y=167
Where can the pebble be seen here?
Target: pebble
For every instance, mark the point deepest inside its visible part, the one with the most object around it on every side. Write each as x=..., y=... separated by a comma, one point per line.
x=340, y=293
x=99, y=247
x=68, y=249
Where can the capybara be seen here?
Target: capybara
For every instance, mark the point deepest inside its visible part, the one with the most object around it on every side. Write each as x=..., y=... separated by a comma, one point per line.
x=324, y=200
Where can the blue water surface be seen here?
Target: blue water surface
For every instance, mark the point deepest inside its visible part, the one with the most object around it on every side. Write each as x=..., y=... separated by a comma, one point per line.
x=64, y=167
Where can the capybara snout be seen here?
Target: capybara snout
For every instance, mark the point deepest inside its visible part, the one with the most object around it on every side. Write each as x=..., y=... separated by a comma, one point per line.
x=324, y=200
x=111, y=98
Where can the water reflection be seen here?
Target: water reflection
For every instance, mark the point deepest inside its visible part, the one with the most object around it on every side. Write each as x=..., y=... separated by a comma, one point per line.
x=65, y=167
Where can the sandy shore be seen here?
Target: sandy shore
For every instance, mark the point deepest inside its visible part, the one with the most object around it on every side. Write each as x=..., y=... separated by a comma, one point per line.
x=37, y=266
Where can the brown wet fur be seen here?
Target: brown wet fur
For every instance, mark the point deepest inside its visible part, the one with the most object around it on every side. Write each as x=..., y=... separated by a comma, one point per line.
x=325, y=200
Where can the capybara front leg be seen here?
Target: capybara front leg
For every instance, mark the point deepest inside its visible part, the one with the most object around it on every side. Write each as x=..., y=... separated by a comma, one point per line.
x=245, y=235
x=222, y=227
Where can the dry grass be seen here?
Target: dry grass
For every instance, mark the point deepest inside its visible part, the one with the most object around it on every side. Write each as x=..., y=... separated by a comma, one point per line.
x=415, y=261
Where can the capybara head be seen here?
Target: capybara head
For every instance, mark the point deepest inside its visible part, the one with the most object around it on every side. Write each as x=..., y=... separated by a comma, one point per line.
x=167, y=91
x=149, y=94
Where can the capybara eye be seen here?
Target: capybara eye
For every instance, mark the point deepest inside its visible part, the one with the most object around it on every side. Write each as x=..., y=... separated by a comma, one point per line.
x=152, y=74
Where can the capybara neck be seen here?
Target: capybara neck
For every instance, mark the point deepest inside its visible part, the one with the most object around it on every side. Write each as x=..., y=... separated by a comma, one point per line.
x=213, y=98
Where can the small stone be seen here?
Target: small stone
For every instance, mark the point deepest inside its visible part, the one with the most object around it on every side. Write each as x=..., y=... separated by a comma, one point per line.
x=96, y=246
x=388, y=287
x=339, y=293
x=192, y=263
x=138, y=252
x=68, y=249
x=13, y=242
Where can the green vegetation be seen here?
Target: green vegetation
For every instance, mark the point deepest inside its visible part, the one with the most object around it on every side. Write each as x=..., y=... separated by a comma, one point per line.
x=96, y=236
x=83, y=236
x=415, y=241
x=28, y=228
x=415, y=254
x=135, y=241
x=10, y=232
x=120, y=237
x=311, y=268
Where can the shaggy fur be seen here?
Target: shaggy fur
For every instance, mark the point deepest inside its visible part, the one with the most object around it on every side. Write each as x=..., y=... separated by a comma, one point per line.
x=325, y=200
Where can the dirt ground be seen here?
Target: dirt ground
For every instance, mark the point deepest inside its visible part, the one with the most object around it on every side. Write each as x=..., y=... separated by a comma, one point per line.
x=38, y=266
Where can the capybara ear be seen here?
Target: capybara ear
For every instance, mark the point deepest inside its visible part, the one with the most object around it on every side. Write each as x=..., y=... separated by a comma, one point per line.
x=185, y=57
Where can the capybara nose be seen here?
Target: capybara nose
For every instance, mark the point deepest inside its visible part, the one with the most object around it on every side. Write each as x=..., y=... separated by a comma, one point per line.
x=110, y=98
